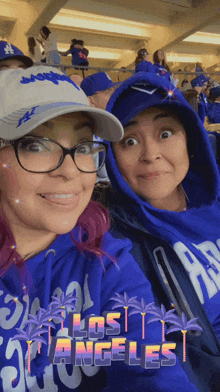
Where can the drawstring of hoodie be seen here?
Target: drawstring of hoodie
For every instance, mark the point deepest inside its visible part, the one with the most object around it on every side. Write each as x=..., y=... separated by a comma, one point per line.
x=41, y=360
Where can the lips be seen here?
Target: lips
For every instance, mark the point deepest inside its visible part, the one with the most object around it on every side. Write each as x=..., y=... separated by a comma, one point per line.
x=63, y=199
x=152, y=175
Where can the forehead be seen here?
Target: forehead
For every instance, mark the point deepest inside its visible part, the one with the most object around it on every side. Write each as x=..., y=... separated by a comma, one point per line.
x=9, y=62
x=157, y=115
x=76, y=122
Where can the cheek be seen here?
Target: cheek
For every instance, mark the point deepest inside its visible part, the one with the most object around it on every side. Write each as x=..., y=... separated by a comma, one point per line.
x=88, y=181
x=178, y=157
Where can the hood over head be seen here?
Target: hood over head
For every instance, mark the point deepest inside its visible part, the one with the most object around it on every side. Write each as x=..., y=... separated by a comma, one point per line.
x=142, y=91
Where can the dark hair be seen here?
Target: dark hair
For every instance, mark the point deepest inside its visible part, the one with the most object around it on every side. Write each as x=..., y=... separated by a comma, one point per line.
x=31, y=44
x=85, y=51
x=73, y=42
x=184, y=81
x=156, y=60
x=140, y=56
x=45, y=30
x=80, y=42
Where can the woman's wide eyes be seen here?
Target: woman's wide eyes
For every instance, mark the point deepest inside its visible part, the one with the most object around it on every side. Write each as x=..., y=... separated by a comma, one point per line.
x=165, y=134
x=130, y=141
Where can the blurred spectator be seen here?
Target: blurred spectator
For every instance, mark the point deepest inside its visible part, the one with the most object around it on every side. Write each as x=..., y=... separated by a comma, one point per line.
x=142, y=63
x=203, y=101
x=199, y=67
x=214, y=108
x=174, y=79
x=76, y=79
x=12, y=58
x=214, y=84
x=98, y=88
x=50, y=45
x=35, y=50
x=190, y=68
x=160, y=64
x=191, y=96
x=184, y=85
x=85, y=51
x=198, y=84
x=76, y=50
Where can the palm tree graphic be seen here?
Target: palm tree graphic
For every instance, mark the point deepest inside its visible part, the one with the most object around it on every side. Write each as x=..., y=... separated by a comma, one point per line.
x=181, y=324
x=40, y=320
x=161, y=315
x=62, y=303
x=30, y=335
x=53, y=312
x=125, y=302
x=142, y=308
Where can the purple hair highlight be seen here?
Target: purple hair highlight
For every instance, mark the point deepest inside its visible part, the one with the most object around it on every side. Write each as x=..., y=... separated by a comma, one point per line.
x=93, y=223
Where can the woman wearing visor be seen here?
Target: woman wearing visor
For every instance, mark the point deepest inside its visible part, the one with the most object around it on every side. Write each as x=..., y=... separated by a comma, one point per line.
x=57, y=256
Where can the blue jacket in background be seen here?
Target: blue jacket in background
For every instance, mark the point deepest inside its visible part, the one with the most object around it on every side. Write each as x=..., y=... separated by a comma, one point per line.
x=214, y=113
x=145, y=66
x=203, y=106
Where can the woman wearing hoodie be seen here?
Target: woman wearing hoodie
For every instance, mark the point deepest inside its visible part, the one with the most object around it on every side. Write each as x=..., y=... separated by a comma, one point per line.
x=165, y=199
x=160, y=65
x=59, y=265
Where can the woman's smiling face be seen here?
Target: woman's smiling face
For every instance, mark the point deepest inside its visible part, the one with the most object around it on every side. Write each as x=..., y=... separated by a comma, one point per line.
x=152, y=157
x=66, y=191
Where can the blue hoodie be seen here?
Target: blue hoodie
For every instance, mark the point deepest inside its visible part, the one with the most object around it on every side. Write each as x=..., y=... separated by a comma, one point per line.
x=214, y=113
x=145, y=66
x=192, y=236
x=63, y=269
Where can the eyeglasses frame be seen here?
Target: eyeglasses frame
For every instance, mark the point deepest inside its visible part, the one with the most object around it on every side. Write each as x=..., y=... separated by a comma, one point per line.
x=66, y=151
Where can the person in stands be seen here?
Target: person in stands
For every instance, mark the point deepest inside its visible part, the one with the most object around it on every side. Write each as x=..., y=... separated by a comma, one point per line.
x=13, y=58
x=35, y=50
x=76, y=50
x=49, y=42
x=142, y=63
x=214, y=107
x=160, y=65
x=99, y=88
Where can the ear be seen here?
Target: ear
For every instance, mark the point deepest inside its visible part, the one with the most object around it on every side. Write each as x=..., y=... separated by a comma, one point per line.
x=91, y=101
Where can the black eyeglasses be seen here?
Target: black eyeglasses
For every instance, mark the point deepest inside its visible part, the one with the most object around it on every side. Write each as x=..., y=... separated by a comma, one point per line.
x=37, y=154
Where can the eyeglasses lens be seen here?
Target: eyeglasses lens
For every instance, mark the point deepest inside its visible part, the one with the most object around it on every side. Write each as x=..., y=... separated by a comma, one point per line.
x=39, y=155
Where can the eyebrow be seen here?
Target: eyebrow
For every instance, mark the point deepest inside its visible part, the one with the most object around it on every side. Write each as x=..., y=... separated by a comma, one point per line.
x=157, y=117
x=80, y=125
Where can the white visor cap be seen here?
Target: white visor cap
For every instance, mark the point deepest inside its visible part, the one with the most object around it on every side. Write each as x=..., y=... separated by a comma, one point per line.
x=30, y=97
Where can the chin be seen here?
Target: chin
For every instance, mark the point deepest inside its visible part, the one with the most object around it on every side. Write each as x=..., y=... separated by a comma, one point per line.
x=62, y=227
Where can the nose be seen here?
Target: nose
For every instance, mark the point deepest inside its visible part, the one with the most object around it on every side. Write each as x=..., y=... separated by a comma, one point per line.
x=68, y=169
x=150, y=151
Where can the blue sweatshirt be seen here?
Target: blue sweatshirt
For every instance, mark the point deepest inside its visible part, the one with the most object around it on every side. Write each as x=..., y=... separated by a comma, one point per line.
x=145, y=66
x=161, y=71
x=203, y=107
x=214, y=113
x=63, y=269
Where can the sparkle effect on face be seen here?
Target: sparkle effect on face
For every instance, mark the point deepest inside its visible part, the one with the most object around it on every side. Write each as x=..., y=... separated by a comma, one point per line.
x=66, y=191
x=152, y=157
